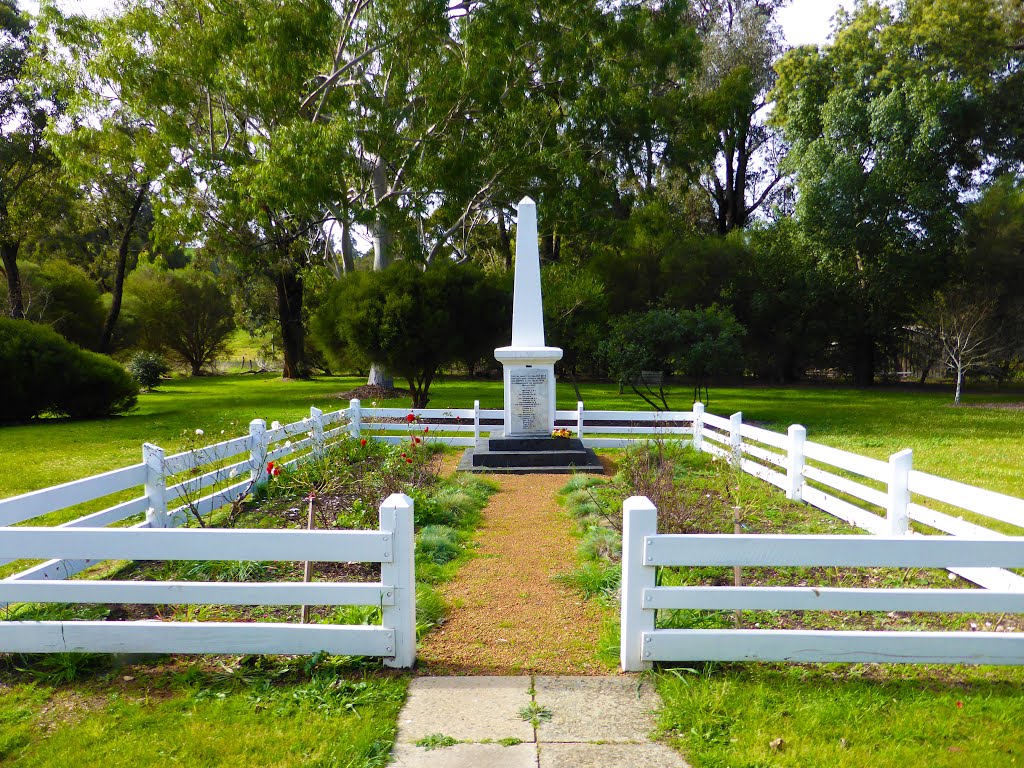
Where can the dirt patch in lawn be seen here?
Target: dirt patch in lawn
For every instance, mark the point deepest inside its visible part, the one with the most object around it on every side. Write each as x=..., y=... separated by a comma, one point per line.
x=507, y=616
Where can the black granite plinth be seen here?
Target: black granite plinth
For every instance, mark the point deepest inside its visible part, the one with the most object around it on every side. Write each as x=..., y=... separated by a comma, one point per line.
x=523, y=455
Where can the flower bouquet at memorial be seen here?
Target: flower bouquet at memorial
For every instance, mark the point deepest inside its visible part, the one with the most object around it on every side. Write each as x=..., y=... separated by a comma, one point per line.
x=561, y=433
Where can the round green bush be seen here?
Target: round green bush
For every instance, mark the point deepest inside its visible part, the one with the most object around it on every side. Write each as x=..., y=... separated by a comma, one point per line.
x=148, y=368
x=45, y=373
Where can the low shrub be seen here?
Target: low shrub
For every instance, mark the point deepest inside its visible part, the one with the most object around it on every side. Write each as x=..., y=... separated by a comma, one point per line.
x=438, y=544
x=45, y=373
x=148, y=368
x=600, y=543
x=593, y=579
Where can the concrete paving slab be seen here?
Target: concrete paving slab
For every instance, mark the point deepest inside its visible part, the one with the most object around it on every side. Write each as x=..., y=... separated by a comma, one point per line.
x=609, y=755
x=466, y=708
x=466, y=756
x=591, y=709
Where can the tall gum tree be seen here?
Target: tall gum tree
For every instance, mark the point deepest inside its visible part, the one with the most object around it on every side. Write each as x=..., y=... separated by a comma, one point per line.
x=887, y=134
x=230, y=150
x=25, y=157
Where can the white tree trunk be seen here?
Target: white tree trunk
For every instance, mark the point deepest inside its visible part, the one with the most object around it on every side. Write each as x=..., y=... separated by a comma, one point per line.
x=959, y=384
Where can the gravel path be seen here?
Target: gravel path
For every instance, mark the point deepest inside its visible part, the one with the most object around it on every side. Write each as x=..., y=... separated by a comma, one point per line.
x=506, y=615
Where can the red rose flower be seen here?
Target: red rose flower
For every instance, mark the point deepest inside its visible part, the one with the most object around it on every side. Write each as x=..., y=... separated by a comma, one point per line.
x=410, y=418
x=363, y=442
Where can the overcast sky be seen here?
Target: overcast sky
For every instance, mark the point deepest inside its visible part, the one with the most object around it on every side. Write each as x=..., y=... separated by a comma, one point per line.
x=804, y=21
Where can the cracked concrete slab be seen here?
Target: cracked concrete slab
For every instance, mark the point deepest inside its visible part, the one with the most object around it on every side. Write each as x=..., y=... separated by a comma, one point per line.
x=466, y=708
x=607, y=755
x=466, y=756
x=595, y=709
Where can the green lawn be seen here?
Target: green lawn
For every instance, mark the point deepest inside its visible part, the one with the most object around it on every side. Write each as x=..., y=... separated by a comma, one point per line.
x=977, y=445
x=845, y=716
x=235, y=715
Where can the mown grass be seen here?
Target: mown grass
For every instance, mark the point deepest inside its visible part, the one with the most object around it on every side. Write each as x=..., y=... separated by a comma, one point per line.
x=844, y=716
x=875, y=423
x=246, y=712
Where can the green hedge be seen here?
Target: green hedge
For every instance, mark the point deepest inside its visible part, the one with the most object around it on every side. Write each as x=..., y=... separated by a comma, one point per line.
x=43, y=373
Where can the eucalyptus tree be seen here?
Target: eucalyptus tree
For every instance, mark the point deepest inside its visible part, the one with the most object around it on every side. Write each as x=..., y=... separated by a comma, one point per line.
x=214, y=96
x=740, y=173
x=888, y=137
x=25, y=157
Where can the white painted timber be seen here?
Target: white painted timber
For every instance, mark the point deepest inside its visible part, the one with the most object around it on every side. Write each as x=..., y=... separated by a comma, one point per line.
x=190, y=460
x=417, y=428
x=795, y=464
x=205, y=505
x=355, y=418
x=594, y=418
x=698, y=425
x=187, y=488
x=851, y=462
x=765, y=436
x=193, y=637
x=955, y=526
x=843, y=510
x=639, y=523
x=425, y=414
x=29, y=505
x=396, y=523
x=833, y=599
x=192, y=544
x=777, y=479
x=819, y=646
x=710, y=420
x=997, y=506
x=847, y=486
x=114, y=514
x=714, y=450
x=762, y=455
x=646, y=431
x=900, y=465
x=287, y=450
x=765, y=549
x=718, y=437
x=194, y=592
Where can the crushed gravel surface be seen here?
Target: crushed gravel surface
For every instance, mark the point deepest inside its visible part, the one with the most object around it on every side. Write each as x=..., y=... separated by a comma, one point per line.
x=506, y=614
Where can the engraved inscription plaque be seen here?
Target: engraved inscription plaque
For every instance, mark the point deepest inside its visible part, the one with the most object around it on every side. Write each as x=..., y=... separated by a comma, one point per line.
x=531, y=413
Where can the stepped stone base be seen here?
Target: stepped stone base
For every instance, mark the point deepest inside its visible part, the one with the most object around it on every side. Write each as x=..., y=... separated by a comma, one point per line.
x=525, y=455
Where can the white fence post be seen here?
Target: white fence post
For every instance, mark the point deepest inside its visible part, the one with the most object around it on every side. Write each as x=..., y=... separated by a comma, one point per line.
x=795, y=463
x=639, y=520
x=355, y=416
x=698, y=426
x=476, y=422
x=579, y=420
x=258, y=449
x=316, y=417
x=156, y=485
x=396, y=519
x=900, y=465
x=735, y=438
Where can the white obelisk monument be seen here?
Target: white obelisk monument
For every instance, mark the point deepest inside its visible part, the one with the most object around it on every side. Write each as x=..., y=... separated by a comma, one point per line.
x=528, y=362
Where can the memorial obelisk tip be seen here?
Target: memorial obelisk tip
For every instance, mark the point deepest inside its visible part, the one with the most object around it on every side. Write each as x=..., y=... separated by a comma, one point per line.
x=527, y=306
x=529, y=364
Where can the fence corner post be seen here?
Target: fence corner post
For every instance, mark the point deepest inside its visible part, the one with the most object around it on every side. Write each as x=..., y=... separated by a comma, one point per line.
x=476, y=423
x=795, y=463
x=316, y=417
x=258, y=446
x=639, y=521
x=900, y=465
x=579, y=420
x=698, y=426
x=396, y=523
x=355, y=418
x=736, y=438
x=156, y=485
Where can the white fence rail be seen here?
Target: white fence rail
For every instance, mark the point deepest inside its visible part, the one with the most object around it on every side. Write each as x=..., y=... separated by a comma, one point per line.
x=395, y=593
x=878, y=500
x=644, y=550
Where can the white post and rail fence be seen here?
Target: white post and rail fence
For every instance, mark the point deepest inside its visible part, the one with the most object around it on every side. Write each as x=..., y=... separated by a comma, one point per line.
x=161, y=493
x=644, y=551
